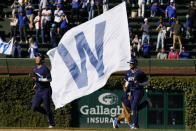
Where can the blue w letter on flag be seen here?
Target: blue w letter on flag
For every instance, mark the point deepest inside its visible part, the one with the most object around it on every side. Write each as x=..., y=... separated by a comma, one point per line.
x=81, y=78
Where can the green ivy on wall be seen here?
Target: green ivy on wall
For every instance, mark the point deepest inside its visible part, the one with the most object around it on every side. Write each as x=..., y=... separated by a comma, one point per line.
x=16, y=95
x=187, y=85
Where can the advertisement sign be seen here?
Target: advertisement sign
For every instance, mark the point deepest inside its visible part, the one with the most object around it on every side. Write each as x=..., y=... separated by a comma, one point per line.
x=99, y=109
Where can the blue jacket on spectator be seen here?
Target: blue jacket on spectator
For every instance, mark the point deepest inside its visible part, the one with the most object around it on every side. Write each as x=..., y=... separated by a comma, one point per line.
x=29, y=11
x=22, y=20
x=156, y=9
x=63, y=24
x=187, y=24
x=75, y=4
x=185, y=55
x=171, y=11
x=146, y=50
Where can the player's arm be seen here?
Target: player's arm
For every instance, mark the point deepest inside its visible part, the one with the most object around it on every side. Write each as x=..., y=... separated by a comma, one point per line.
x=141, y=83
x=125, y=86
x=44, y=80
x=144, y=83
x=47, y=77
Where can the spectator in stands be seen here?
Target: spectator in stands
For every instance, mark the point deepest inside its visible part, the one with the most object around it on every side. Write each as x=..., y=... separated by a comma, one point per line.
x=21, y=8
x=16, y=51
x=131, y=34
x=192, y=15
x=169, y=29
x=136, y=42
x=173, y=54
x=105, y=5
x=145, y=28
x=187, y=27
x=46, y=15
x=39, y=26
x=57, y=17
x=146, y=48
x=141, y=8
x=162, y=55
x=155, y=10
x=60, y=2
x=97, y=5
x=170, y=10
x=133, y=49
x=20, y=2
x=33, y=48
x=64, y=25
x=184, y=55
x=13, y=25
x=46, y=19
x=75, y=11
x=177, y=27
x=90, y=8
x=83, y=10
x=161, y=33
x=43, y=4
x=29, y=13
x=15, y=7
x=53, y=35
x=22, y=26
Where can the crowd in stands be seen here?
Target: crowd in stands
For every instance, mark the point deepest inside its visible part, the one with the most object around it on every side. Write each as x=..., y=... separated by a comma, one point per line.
x=47, y=18
x=175, y=30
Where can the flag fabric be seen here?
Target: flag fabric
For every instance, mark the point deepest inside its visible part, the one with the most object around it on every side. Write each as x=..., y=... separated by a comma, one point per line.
x=6, y=48
x=88, y=54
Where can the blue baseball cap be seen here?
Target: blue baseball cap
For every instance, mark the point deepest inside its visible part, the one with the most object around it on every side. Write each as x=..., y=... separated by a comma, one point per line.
x=40, y=55
x=59, y=5
x=133, y=61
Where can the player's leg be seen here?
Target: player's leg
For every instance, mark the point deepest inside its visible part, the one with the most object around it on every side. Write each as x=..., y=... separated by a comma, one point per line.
x=137, y=97
x=122, y=115
x=116, y=122
x=144, y=104
x=46, y=99
x=36, y=103
x=126, y=113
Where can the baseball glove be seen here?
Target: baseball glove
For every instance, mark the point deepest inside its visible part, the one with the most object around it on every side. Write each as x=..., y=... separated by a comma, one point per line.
x=140, y=77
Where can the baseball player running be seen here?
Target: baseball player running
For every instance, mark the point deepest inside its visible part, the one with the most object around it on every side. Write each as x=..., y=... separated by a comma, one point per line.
x=135, y=79
x=42, y=78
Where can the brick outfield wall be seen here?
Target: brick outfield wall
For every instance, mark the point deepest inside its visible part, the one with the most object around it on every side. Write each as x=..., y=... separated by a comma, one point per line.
x=162, y=71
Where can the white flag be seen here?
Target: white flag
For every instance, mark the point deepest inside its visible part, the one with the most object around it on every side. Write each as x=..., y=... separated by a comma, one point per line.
x=88, y=54
x=6, y=48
